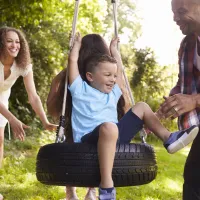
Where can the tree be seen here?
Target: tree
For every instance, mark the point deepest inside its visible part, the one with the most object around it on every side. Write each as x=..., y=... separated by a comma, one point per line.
x=47, y=25
x=127, y=20
x=150, y=81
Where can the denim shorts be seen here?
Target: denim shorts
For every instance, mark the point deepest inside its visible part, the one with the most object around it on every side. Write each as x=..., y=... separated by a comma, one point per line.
x=129, y=125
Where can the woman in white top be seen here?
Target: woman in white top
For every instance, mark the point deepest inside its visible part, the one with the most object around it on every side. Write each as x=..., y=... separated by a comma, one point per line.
x=14, y=62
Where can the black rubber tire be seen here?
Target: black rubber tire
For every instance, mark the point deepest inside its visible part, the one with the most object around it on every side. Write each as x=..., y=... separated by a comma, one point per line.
x=77, y=165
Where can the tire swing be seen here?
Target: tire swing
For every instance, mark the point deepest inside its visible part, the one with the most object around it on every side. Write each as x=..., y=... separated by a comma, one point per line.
x=77, y=164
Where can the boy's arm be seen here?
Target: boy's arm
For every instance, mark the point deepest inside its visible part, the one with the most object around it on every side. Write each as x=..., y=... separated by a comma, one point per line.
x=73, y=59
x=115, y=53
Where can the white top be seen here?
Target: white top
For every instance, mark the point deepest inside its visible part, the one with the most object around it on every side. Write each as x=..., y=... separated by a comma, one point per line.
x=5, y=85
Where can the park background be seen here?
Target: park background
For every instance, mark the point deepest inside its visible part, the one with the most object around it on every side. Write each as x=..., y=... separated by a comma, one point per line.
x=149, y=45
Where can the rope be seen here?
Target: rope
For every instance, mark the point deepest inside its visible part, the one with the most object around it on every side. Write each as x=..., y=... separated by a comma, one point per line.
x=114, y=2
x=60, y=136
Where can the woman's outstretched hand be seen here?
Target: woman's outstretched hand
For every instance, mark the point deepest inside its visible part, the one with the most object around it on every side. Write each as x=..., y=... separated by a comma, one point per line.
x=18, y=128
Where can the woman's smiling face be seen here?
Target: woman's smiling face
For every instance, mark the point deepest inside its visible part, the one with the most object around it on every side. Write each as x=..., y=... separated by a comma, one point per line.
x=12, y=44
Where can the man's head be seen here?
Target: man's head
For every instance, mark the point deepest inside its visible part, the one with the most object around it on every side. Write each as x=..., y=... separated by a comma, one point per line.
x=101, y=72
x=187, y=15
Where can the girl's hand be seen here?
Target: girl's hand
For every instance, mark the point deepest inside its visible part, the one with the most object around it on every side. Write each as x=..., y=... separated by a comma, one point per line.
x=18, y=128
x=73, y=56
x=77, y=40
x=114, y=46
x=50, y=127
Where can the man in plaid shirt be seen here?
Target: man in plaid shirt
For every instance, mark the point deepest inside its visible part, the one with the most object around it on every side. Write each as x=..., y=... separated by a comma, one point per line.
x=184, y=99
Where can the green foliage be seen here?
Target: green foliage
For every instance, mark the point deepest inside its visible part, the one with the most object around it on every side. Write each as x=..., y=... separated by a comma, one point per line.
x=47, y=25
x=148, y=79
x=150, y=82
x=127, y=20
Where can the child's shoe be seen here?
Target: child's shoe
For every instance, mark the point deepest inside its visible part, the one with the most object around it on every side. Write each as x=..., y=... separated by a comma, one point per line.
x=91, y=194
x=104, y=195
x=180, y=139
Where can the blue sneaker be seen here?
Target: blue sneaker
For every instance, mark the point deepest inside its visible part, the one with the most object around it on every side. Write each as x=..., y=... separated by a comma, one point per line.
x=180, y=139
x=104, y=195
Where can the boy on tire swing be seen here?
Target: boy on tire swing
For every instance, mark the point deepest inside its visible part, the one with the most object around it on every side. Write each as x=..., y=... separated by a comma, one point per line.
x=94, y=113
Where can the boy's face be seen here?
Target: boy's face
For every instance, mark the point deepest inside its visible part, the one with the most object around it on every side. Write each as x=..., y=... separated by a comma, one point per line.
x=104, y=77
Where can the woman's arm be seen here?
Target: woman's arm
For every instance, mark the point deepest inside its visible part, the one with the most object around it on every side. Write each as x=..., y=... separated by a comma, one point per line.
x=35, y=101
x=56, y=93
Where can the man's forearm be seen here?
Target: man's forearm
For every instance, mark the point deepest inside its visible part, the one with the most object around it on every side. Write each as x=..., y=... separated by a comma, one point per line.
x=196, y=98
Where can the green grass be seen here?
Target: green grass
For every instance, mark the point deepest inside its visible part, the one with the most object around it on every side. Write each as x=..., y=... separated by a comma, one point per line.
x=18, y=180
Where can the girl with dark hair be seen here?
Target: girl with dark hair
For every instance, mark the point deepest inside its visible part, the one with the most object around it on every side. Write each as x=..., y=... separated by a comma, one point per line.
x=91, y=44
x=15, y=61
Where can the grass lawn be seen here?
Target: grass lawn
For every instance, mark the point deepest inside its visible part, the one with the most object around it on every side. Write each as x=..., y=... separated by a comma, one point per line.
x=18, y=180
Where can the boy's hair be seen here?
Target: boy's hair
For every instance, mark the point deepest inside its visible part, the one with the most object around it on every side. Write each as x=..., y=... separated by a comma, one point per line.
x=92, y=61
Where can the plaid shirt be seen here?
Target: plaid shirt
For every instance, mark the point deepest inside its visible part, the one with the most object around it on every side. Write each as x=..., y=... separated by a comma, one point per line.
x=188, y=79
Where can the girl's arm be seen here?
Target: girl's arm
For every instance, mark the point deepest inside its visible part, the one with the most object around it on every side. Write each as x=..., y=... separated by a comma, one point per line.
x=115, y=53
x=35, y=101
x=120, y=77
x=56, y=93
x=73, y=59
x=16, y=125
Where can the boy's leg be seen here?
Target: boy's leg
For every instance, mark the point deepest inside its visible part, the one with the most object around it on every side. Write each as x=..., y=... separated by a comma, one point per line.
x=172, y=142
x=133, y=121
x=129, y=125
x=108, y=135
x=144, y=112
x=105, y=135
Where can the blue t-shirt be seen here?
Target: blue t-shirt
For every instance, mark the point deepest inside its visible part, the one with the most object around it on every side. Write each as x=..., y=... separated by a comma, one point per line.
x=91, y=107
